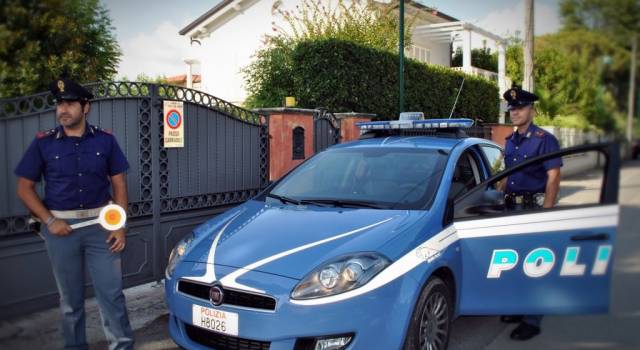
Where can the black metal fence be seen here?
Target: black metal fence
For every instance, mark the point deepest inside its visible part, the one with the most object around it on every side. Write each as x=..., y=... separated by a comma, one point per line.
x=171, y=190
x=326, y=130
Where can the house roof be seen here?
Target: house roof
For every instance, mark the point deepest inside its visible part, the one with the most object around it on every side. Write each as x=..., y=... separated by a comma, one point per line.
x=204, y=17
x=225, y=3
x=182, y=78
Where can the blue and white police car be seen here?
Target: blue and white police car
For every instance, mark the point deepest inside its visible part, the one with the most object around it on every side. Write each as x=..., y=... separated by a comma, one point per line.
x=380, y=243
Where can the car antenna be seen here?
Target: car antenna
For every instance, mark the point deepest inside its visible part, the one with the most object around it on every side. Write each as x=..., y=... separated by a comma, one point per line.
x=456, y=101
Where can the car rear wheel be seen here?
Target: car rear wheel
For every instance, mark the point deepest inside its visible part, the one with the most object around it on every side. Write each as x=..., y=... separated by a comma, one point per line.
x=431, y=320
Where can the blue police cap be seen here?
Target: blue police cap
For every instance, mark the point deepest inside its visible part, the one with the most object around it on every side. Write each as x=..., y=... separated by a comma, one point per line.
x=516, y=97
x=65, y=89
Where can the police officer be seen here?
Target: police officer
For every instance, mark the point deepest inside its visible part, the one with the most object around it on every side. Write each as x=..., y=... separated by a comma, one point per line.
x=79, y=163
x=534, y=187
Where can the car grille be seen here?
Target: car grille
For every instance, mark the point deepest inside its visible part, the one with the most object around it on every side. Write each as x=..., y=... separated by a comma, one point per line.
x=223, y=342
x=231, y=297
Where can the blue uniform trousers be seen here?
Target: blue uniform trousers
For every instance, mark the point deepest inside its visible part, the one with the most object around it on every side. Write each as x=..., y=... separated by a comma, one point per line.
x=69, y=255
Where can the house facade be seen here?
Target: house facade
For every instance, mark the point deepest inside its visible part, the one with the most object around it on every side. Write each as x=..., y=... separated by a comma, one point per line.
x=225, y=38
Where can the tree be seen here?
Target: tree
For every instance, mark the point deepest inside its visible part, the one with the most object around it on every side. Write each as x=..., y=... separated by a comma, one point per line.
x=614, y=18
x=577, y=73
x=41, y=39
x=368, y=23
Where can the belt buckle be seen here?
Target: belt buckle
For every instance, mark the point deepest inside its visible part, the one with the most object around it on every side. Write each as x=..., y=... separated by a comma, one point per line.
x=82, y=214
x=519, y=199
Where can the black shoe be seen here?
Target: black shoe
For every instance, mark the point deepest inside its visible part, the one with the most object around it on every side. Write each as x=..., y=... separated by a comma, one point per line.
x=525, y=331
x=510, y=319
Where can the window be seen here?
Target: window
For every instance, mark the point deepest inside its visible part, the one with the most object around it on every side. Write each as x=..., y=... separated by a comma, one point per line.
x=298, y=143
x=586, y=179
x=495, y=158
x=390, y=177
x=465, y=177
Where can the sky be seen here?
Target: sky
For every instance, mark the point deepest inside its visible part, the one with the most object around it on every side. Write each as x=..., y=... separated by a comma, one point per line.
x=147, y=31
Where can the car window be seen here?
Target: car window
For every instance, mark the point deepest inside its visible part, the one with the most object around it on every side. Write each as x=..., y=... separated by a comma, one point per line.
x=495, y=158
x=465, y=176
x=582, y=180
x=392, y=177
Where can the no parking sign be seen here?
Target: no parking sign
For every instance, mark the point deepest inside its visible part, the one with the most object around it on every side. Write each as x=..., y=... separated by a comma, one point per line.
x=173, y=124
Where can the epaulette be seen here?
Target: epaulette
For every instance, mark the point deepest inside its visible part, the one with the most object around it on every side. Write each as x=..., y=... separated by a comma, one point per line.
x=98, y=128
x=539, y=133
x=508, y=137
x=44, y=133
x=106, y=131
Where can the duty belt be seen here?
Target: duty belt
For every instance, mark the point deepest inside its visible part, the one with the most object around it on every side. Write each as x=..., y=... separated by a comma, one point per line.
x=76, y=214
x=527, y=200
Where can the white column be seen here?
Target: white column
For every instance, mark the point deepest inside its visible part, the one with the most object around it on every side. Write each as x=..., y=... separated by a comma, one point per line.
x=466, y=51
x=189, y=82
x=502, y=82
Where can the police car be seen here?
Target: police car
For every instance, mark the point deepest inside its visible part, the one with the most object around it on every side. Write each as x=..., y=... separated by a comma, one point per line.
x=382, y=242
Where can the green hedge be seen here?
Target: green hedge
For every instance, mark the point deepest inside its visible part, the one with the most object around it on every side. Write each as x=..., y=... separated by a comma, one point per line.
x=346, y=77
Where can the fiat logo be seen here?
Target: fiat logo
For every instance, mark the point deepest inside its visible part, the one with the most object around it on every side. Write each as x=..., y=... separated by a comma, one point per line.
x=216, y=295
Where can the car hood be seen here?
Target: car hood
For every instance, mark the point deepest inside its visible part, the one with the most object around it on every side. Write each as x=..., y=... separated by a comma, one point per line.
x=291, y=240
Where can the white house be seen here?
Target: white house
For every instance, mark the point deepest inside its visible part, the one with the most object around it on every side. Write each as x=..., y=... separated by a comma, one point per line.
x=224, y=39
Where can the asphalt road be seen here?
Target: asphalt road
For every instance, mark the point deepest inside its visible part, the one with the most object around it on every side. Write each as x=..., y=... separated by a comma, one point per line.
x=620, y=329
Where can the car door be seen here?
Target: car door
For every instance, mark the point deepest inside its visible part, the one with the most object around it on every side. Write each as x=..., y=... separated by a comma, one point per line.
x=541, y=261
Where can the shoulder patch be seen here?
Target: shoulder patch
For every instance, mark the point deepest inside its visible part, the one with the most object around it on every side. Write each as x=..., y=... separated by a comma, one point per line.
x=45, y=133
x=540, y=133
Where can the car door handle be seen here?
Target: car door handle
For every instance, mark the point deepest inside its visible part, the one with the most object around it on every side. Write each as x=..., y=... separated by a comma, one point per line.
x=591, y=237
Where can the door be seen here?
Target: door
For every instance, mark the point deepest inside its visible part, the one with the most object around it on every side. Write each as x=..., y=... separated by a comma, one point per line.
x=542, y=261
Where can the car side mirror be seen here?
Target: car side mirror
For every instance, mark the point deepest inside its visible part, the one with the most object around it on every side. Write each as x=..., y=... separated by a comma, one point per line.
x=490, y=202
x=493, y=196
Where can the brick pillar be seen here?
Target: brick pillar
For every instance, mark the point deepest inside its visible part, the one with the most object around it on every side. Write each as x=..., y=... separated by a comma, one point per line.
x=282, y=122
x=348, y=129
x=499, y=132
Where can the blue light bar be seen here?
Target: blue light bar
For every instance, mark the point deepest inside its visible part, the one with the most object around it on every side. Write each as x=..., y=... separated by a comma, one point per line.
x=416, y=124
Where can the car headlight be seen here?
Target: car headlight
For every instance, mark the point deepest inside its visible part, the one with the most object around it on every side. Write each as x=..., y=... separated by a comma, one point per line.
x=340, y=275
x=178, y=253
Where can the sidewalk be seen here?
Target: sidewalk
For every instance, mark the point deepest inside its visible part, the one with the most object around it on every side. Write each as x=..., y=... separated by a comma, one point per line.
x=147, y=313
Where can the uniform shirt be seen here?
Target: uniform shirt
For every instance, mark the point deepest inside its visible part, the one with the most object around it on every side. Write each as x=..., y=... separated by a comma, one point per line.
x=521, y=147
x=76, y=170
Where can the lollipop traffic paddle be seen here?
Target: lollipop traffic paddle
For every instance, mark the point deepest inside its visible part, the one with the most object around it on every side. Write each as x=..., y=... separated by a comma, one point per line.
x=112, y=217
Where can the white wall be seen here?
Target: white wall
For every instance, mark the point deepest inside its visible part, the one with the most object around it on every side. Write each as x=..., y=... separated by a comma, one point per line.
x=439, y=52
x=229, y=48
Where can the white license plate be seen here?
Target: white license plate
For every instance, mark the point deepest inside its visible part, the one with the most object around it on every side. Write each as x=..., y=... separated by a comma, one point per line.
x=215, y=320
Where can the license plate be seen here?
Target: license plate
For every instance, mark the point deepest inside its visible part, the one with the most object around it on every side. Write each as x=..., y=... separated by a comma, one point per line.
x=215, y=320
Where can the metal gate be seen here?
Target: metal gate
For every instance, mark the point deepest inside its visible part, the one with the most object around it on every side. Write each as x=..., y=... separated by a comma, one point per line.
x=171, y=190
x=326, y=130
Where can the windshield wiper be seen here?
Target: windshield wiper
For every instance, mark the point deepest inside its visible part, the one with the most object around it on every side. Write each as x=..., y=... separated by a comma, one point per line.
x=344, y=203
x=284, y=199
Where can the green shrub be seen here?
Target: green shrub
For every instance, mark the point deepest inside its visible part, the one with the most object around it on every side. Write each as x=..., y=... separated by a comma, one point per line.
x=345, y=77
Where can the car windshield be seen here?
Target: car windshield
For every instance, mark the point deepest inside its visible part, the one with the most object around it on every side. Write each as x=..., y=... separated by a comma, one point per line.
x=394, y=178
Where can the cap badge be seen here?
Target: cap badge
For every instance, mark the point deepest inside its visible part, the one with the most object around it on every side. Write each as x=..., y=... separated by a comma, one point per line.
x=61, y=85
x=513, y=94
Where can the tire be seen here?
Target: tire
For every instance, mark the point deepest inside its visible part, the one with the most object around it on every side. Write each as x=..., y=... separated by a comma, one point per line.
x=430, y=324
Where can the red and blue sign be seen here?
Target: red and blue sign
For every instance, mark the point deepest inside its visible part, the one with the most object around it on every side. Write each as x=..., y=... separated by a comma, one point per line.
x=173, y=119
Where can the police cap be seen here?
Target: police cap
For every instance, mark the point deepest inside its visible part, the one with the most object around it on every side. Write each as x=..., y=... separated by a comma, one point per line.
x=65, y=89
x=516, y=98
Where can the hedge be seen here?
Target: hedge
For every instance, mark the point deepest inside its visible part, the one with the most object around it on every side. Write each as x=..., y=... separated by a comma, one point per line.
x=345, y=77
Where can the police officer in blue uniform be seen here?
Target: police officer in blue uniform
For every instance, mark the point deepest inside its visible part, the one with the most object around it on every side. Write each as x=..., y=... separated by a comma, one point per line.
x=80, y=163
x=534, y=187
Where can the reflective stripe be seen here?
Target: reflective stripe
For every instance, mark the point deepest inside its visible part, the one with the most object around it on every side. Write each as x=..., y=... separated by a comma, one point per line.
x=210, y=274
x=230, y=279
x=605, y=216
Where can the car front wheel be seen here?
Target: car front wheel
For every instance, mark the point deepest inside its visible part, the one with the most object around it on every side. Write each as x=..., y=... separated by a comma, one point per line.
x=431, y=320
